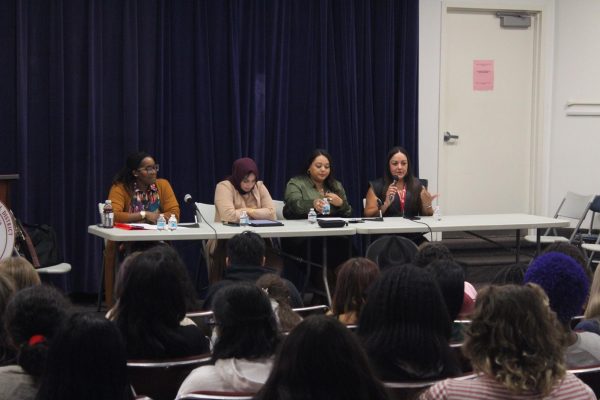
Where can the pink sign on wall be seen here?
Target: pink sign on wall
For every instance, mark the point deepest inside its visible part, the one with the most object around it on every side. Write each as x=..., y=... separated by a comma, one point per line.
x=483, y=75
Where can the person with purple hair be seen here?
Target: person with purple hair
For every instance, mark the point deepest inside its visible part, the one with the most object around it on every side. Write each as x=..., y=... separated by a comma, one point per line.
x=566, y=284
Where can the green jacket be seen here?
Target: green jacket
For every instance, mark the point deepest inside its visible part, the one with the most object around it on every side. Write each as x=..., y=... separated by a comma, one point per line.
x=300, y=193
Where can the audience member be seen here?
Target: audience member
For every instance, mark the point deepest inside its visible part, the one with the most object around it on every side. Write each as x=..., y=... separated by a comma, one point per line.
x=391, y=251
x=7, y=289
x=246, y=340
x=591, y=323
x=321, y=360
x=279, y=295
x=510, y=274
x=87, y=360
x=21, y=271
x=153, y=304
x=405, y=327
x=246, y=262
x=33, y=316
x=354, y=277
x=576, y=253
x=566, y=285
x=429, y=252
x=450, y=277
x=517, y=346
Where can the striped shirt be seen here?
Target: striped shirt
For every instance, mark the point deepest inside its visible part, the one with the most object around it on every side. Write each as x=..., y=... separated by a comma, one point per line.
x=484, y=387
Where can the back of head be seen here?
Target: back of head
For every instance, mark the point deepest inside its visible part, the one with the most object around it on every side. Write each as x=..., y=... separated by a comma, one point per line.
x=510, y=274
x=576, y=253
x=20, y=271
x=516, y=339
x=450, y=277
x=429, y=252
x=7, y=290
x=390, y=251
x=279, y=293
x=321, y=359
x=404, y=325
x=87, y=360
x=354, y=277
x=246, y=325
x=32, y=318
x=152, y=301
x=247, y=248
x=564, y=281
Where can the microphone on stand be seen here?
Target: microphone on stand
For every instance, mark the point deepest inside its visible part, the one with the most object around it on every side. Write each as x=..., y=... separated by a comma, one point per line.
x=188, y=199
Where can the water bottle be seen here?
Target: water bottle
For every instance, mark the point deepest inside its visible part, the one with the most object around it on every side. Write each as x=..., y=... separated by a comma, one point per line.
x=161, y=222
x=109, y=215
x=312, y=216
x=172, y=222
x=326, y=206
x=244, y=220
x=437, y=214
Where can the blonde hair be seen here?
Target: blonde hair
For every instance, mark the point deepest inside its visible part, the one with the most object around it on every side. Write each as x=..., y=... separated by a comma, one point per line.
x=593, y=306
x=516, y=339
x=20, y=271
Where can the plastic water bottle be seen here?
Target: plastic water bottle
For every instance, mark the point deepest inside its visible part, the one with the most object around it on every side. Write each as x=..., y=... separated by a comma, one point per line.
x=244, y=220
x=109, y=215
x=172, y=222
x=326, y=206
x=161, y=222
x=312, y=216
x=437, y=214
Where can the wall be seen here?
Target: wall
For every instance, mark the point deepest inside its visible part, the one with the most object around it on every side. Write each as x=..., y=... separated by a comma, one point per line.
x=570, y=146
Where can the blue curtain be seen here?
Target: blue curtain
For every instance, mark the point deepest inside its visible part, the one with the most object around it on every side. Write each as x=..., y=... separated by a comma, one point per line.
x=198, y=84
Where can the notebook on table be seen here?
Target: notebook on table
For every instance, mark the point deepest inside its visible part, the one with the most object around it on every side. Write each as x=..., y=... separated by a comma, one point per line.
x=264, y=222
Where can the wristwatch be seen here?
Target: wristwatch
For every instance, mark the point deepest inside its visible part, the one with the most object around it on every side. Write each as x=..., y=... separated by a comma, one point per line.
x=143, y=214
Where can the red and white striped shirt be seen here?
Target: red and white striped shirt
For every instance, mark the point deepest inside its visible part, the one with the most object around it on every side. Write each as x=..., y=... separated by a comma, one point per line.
x=484, y=387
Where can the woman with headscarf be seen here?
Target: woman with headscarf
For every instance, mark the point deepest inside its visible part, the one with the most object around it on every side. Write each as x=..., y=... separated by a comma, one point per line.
x=240, y=191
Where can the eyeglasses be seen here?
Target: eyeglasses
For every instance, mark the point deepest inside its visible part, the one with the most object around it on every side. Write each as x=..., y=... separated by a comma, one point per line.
x=150, y=169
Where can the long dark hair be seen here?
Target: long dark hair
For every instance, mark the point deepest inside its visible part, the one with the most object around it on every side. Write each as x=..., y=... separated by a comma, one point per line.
x=450, y=277
x=246, y=325
x=328, y=183
x=35, y=312
x=125, y=174
x=321, y=360
x=152, y=304
x=353, y=279
x=405, y=327
x=87, y=360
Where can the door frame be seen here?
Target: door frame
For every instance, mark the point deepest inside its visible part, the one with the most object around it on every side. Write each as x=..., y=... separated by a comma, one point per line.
x=430, y=78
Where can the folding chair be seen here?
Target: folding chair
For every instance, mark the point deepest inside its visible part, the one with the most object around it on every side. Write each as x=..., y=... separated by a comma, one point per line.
x=590, y=376
x=590, y=236
x=591, y=249
x=409, y=390
x=210, y=395
x=279, y=208
x=161, y=379
x=574, y=207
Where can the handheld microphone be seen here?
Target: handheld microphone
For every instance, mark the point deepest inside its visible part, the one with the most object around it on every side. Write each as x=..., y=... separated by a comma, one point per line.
x=391, y=196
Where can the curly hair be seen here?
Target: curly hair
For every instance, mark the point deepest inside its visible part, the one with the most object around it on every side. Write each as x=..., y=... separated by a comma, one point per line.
x=516, y=339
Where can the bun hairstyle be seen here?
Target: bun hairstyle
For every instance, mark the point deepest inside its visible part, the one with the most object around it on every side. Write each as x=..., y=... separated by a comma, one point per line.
x=32, y=318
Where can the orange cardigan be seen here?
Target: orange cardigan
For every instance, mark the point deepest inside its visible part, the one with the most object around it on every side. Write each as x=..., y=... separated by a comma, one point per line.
x=121, y=199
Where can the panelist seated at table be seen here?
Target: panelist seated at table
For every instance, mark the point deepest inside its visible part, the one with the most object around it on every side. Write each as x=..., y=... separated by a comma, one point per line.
x=306, y=191
x=240, y=191
x=137, y=195
x=398, y=193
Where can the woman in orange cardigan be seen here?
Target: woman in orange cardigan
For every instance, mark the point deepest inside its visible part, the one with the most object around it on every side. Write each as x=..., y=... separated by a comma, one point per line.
x=137, y=194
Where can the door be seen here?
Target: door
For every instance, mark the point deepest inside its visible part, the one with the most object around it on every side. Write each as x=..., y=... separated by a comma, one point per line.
x=487, y=100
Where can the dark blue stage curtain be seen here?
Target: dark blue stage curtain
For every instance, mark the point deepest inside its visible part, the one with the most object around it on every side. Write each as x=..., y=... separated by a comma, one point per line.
x=198, y=84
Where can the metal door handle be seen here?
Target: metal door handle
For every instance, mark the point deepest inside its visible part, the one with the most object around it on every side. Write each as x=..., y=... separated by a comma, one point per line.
x=448, y=136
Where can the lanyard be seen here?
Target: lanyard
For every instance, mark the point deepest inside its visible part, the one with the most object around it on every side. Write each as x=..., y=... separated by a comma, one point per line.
x=402, y=199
